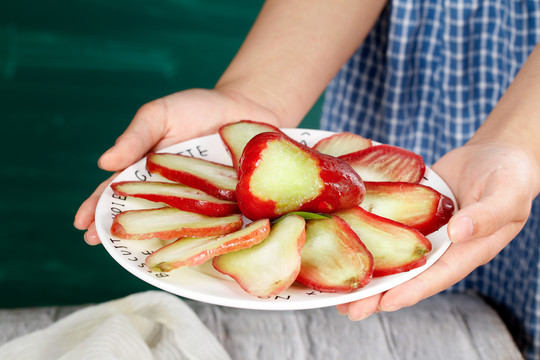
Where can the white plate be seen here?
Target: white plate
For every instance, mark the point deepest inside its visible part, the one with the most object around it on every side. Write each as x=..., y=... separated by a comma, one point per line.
x=205, y=284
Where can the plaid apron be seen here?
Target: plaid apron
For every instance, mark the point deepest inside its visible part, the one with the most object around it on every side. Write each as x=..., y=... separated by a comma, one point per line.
x=425, y=79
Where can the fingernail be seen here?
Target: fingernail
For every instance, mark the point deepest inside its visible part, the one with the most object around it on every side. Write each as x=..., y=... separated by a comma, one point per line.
x=461, y=229
x=90, y=239
x=104, y=155
x=388, y=308
x=361, y=317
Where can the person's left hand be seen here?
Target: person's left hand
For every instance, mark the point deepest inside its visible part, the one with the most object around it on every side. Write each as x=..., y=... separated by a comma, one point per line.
x=494, y=185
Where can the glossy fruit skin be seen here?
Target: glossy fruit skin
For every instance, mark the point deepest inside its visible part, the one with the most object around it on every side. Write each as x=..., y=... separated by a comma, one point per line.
x=342, y=186
x=341, y=265
x=380, y=234
x=204, y=207
x=187, y=178
x=392, y=163
x=439, y=211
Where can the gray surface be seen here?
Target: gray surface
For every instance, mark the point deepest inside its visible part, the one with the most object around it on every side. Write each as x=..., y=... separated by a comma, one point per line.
x=446, y=326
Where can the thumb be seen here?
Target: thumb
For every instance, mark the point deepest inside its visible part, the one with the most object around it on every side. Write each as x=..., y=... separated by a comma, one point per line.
x=143, y=133
x=494, y=209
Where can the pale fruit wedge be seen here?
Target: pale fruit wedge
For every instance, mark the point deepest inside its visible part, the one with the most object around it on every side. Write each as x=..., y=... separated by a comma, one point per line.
x=334, y=259
x=176, y=195
x=195, y=251
x=236, y=135
x=214, y=179
x=395, y=247
x=415, y=205
x=271, y=266
x=342, y=143
x=169, y=223
x=387, y=163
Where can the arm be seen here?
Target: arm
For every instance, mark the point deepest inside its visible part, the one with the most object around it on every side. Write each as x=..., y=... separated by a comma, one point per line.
x=495, y=178
x=292, y=51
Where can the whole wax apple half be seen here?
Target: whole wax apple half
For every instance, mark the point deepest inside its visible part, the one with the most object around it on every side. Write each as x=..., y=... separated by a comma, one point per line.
x=278, y=175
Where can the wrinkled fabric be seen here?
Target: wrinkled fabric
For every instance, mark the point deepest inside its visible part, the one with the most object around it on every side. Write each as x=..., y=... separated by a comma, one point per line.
x=425, y=79
x=144, y=326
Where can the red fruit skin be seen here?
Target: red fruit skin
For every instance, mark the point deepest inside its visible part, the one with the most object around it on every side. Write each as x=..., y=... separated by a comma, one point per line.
x=119, y=231
x=355, y=244
x=411, y=171
x=343, y=187
x=188, y=179
x=197, y=206
x=440, y=214
x=383, y=222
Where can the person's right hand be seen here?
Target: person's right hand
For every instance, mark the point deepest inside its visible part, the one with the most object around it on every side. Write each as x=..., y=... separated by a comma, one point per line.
x=164, y=122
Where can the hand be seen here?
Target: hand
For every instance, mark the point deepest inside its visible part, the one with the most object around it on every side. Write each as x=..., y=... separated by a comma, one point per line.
x=163, y=122
x=494, y=185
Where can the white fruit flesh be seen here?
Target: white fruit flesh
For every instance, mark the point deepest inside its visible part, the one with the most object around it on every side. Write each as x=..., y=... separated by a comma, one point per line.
x=237, y=135
x=391, y=245
x=270, y=266
x=168, y=189
x=169, y=219
x=331, y=261
x=220, y=175
x=195, y=251
x=410, y=207
x=342, y=143
x=286, y=175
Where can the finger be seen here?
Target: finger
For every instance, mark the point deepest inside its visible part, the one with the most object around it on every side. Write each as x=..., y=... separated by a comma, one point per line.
x=145, y=130
x=87, y=211
x=361, y=309
x=90, y=236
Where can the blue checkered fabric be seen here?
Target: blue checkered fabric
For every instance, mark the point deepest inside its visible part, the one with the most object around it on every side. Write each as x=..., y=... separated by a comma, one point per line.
x=425, y=79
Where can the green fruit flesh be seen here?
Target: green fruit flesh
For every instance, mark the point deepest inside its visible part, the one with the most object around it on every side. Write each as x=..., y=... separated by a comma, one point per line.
x=286, y=176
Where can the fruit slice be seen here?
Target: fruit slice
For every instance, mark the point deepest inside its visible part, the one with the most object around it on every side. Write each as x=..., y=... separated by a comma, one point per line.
x=279, y=175
x=334, y=259
x=271, y=266
x=170, y=223
x=195, y=251
x=387, y=163
x=176, y=195
x=236, y=135
x=214, y=179
x=415, y=205
x=342, y=143
x=395, y=247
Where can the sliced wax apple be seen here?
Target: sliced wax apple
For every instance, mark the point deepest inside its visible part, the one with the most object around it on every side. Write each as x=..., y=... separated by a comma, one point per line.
x=334, y=259
x=342, y=143
x=395, y=247
x=415, y=205
x=176, y=195
x=195, y=251
x=236, y=135
x=271, y=266
x=214, y=179
x=170, y=223
x=279, y=175
x=387, y=163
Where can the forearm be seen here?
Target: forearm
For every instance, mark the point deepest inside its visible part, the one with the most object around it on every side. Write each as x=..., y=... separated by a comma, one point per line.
x=516, y=118
x=294, y=49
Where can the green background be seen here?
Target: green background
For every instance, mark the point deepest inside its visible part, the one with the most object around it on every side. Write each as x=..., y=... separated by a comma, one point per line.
x=73, y=73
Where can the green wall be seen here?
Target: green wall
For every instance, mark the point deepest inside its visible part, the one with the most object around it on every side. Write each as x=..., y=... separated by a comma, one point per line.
x=73, y=73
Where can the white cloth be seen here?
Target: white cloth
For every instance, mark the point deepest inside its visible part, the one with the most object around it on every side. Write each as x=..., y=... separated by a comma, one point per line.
x=148, y=325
